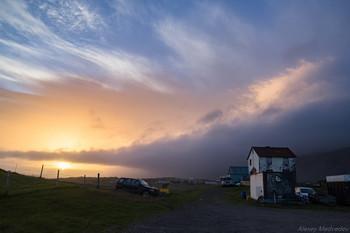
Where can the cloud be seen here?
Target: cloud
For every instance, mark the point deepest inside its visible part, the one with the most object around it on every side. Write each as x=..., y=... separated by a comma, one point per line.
x=96, y=121
x=50, y=51
x=211, y=117
x=200, y=53
x=211, y=47
x=315, y=127
x=138, y=115
x=77, y=114
x=21, y=72
x=291, y=89
x=293, y=113
x=15, y=14
x=72, y=15
x=215, y=45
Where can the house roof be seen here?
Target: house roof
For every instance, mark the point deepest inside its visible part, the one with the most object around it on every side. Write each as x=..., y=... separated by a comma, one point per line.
x=238, y=170
x=276, y=152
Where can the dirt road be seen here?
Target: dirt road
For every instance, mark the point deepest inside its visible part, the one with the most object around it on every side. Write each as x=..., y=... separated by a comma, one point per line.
x=211, y=214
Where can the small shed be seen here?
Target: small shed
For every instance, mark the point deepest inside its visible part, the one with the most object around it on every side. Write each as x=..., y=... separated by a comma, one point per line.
x=272, y=172
x=238, y=173
x=339, y=186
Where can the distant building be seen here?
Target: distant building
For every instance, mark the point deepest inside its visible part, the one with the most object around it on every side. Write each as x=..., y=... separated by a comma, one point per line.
x=272, y=172
x=339, y=186
x=238, y=174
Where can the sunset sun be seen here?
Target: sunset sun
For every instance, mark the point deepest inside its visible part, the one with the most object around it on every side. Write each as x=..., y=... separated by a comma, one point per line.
x=63, y=165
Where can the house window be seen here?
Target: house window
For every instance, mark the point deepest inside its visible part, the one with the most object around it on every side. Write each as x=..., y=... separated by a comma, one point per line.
x=285, y=161
x=268, y=161
x=250, y=162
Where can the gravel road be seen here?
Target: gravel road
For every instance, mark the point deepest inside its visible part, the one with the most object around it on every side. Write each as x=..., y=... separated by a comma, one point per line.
x=211, y=214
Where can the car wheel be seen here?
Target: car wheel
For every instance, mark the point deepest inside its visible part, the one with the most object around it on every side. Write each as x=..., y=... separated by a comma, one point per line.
x=145, y=194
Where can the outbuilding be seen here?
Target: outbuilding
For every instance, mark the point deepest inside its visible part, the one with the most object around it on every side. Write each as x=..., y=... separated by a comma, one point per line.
x=272, y=172
x=339, y=186
x=238, y=173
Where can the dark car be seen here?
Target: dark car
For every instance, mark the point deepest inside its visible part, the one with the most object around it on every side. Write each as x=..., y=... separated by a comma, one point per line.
x=136, y=186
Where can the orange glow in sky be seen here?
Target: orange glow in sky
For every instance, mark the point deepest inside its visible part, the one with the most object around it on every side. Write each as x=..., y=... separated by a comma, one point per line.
x=63, y=165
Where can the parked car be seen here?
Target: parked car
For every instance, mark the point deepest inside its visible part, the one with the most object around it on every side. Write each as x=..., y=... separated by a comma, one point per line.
x=136, y=186
x=304, y=193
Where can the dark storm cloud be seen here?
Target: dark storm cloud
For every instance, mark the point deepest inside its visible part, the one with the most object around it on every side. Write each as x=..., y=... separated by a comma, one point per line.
x=317, y=127
x=314, y=128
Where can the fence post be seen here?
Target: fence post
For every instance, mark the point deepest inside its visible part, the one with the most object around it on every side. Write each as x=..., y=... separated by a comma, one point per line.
x=58, y=176
x=84, y=180
x=42, y=168
x=98, y=180
x=7, y=182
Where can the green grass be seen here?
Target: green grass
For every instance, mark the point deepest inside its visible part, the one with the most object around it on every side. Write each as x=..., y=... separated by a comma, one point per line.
x=24, y=184
x=233, y=195
x=36, y=205
x=110, y=181
x=182, y=194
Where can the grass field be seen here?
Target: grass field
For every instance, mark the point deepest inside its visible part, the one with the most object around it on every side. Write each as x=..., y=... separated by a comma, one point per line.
x=36, y=205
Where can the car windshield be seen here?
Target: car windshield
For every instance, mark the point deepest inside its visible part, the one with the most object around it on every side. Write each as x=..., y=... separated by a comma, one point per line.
x=144, y=183
x=307, y=190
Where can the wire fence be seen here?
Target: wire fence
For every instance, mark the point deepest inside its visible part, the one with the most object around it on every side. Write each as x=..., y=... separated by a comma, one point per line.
x=23, y=169
x=23, y=177
x=18, y=178
x=42, y=170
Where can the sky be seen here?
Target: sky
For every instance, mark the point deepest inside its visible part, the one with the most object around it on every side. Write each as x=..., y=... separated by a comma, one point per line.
x=170, y=88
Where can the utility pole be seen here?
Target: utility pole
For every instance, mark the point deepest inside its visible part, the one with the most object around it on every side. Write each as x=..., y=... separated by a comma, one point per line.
x=42, y=168
x=98, y=180
x=7, y=182
x=58, y=176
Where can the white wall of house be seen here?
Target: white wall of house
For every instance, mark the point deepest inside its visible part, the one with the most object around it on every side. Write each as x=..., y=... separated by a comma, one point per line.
x=256, y=186
x=276, y=164
x=253, y=161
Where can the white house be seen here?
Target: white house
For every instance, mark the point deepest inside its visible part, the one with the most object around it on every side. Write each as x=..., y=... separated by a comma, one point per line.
x=272, y=172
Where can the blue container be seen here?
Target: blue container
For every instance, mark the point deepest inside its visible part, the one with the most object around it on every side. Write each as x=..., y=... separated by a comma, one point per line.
x=244, y=195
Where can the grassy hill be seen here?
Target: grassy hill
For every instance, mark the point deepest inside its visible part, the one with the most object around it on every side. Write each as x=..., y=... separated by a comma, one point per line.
x=316, y=167
x=36, y=205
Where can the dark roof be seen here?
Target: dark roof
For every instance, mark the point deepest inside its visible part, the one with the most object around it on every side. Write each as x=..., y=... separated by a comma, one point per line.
x=267, y=151
x=239, y=170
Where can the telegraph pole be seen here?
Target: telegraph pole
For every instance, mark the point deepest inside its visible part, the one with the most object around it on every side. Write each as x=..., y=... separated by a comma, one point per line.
x=42, y=168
